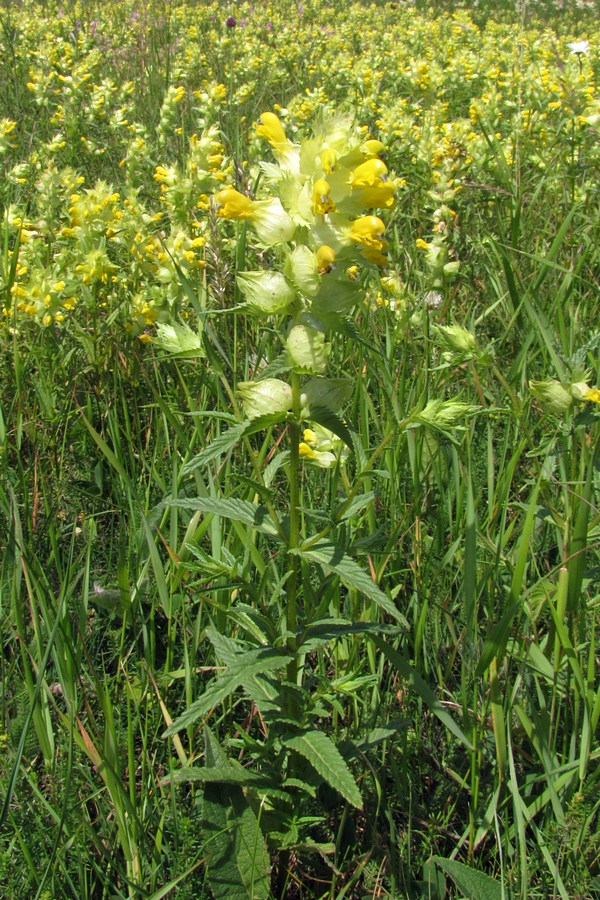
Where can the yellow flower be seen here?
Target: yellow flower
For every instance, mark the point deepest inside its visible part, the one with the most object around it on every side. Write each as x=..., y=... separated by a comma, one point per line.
x=306, y=451
x=368, y=231
x=369, y=174
x=329, y=158
x=593, y=395
x=233, y=205
x=271, y=222
x=321, y=201
x=325, y=259
x=270, y=127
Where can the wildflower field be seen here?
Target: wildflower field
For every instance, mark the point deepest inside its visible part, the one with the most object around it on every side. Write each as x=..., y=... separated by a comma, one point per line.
x=299, y=450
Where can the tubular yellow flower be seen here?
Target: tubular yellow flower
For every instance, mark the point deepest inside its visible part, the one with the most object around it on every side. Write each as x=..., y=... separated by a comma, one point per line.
x=306, y=451
x=369, y=174
x=270, y=220
x=593, y=395
x=325, y=259
x=329, y=158
x=380, y=196
x=233, y=205
x=368, y=231
x=270, y=127
x=321, y=201
x=373, y=147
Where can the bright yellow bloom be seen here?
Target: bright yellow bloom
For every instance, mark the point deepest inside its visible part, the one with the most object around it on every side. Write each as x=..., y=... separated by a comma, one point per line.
x=321, y=201
x=270, y=127
x=325, y=259
x=380, y=196
x=270, y=220
x=369, y=174
x=306, y=451
x=368, y=231
x=233, y=205
x=593, y=395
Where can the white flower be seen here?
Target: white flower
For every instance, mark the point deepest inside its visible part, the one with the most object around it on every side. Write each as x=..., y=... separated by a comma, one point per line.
x=579, y=47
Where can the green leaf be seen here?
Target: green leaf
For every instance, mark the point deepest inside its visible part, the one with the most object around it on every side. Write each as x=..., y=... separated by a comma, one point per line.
x=473, y=884
x=221, y=444
x=328, y=419
x=333, y=559
x=324, y=756
x=233, y=773
x=228, y=439
x=237, y=861
x=253, y=662
x=327, y=630
x=348, y=509
x=242, y=511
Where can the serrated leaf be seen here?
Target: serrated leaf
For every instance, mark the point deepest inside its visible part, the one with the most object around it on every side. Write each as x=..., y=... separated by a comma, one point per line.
x=237, y=861
x=247, y=665
x=326, y=759
x=328, y=419
x=228, y=440
x=221, y=444
x=329, y=629
x=230, y=774
x=333, y=559
x=356, y=505
x=242, y=511
x=473, y=884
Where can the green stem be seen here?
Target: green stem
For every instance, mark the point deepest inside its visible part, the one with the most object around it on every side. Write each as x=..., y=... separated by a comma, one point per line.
x=292, y=583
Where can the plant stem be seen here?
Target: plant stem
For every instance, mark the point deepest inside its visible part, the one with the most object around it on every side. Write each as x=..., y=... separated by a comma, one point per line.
x=294, y=529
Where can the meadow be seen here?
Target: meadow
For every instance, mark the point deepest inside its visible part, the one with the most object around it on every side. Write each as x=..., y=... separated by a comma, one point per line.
x=299, y=450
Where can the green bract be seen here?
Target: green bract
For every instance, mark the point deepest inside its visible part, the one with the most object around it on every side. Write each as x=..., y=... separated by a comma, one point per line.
x=266, y=293
x=307, y=349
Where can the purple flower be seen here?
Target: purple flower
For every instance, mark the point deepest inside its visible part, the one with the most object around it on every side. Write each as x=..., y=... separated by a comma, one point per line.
x=230, y=22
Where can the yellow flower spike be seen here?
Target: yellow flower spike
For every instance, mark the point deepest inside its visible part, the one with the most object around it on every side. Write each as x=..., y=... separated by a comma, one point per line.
x=309, y=436
x=233, y=205
x=270, y=127
x=321, y=201
x=325, y=259
x=369, y=174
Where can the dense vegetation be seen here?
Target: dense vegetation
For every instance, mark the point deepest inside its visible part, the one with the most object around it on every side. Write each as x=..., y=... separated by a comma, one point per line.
x=299, y=450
